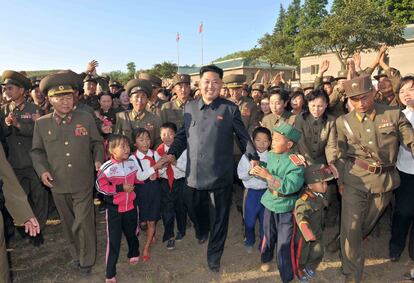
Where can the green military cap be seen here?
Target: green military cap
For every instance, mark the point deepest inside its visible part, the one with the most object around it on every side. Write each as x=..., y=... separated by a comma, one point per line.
x=90, y=78
x=135, y=85
x=77, y=77
x=288, y=131
x=181, y=79
x=358, y=86
x=317, y=173
x=306, y=86
x=379, y=76
x=115, y=84
x=16, y=78
x=259, y=87
x=234, y=80
x=327, y=79
x=342, y=75
x=154, y=80
x=59, y=83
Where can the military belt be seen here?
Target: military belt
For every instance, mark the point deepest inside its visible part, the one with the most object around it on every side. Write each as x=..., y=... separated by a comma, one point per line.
x=372, y=168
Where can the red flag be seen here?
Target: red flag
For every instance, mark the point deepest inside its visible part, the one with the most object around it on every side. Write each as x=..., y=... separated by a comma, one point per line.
x=177, y=37
x=200, y=29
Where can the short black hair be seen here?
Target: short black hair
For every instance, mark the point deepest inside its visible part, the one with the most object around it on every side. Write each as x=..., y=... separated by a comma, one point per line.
x=104, y=93
x=138, y=132
x=404, y=81
x=169, y=125
x=211, y=68
x=284, y=95
x=262, y=130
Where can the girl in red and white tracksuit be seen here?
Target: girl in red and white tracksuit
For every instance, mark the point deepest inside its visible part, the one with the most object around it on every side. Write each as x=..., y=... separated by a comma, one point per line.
x=116, y=179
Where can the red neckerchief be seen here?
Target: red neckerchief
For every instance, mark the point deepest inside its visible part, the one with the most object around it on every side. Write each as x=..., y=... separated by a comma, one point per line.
x=170, y=171
x=152, y=163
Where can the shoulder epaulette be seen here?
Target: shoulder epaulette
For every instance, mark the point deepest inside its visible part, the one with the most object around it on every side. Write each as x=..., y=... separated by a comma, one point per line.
x=297, y=159
x=304, y=197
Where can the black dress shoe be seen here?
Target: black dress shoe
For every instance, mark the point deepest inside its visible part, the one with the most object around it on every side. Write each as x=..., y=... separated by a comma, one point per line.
x=203, y=239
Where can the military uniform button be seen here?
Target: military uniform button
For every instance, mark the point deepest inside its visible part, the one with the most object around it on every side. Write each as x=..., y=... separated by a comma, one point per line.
x=67, y=154
x=66, y=142
x=64, y=122
x=370, y=142
x=368, y=130
x=69, y=165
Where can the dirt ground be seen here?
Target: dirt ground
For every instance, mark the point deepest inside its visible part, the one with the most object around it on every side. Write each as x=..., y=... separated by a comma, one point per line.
x=187, y=263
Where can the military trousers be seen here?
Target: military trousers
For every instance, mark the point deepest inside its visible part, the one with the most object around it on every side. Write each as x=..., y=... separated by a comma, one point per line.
x=4, y=263
x=360, y=212
x=77, y=214
x=307, y=254
x=36, y=193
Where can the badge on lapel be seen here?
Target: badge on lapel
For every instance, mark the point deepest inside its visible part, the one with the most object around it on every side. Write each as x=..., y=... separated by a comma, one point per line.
x=80, y=131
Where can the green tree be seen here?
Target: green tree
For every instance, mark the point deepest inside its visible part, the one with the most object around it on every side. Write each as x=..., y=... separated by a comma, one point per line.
x=164, y=70
x=358, y=25
x=234, y=55
x=401, y=10
x=312, y=15
x=131, y=69
x=280, y=20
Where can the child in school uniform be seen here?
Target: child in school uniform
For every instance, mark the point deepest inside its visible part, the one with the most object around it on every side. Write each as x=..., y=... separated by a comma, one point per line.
x=309, y=218
x=149, y=193
x=254, y=188
x=284, y=174
x=172, y=185
x=115, y=181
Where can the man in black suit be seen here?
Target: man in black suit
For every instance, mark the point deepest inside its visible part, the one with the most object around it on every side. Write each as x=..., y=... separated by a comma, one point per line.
x=207, y=133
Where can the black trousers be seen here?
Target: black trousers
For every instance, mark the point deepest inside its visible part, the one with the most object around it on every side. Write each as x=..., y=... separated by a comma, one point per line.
x=190, y=202
x=218, y=203
x=172, y=207
x=403, y=217
x=126, y=222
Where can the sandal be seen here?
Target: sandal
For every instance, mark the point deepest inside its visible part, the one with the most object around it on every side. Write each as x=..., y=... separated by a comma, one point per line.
x=110, y=280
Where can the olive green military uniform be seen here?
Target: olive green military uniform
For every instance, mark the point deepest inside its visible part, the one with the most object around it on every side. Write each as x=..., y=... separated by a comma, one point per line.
x=309, y=217
x=17, y=205
x=156, y=82
x=129, y=120
x=173, y=111
x=318, y=144
x=19, y=140
x=67, y=148
x=271, y=121
x=368, y=176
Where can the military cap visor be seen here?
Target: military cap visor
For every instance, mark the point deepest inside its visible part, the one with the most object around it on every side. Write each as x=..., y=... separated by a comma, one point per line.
x=318, y=173
x=17, y=79
x=211, y=68
x=378, y=77
x=136, y=85
x=89, y=78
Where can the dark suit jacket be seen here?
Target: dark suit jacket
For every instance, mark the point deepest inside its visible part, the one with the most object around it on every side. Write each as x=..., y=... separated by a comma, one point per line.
x=207, y=134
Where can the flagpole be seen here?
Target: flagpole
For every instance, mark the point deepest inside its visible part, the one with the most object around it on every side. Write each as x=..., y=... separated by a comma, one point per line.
x=178, y=52
x=202, y=49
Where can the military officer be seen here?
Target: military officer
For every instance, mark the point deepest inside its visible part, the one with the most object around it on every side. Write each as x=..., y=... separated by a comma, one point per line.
x=67, y=149
x=139, y=92
x=307, y=87
x=173, y=111
x=90, y=97
x=249, y=111
x=19, y=208
x=257, y=93
x=17, y=119
x=154, y=103
x=368, y=142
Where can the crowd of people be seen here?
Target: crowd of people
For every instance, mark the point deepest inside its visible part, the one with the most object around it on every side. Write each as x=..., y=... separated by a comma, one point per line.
x=330, y=153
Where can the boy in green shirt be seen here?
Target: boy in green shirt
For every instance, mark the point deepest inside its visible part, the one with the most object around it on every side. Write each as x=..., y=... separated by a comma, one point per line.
x=284, y=174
